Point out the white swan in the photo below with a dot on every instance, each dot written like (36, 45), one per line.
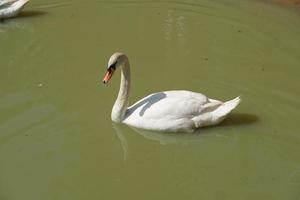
(170, 111)
(11, 8)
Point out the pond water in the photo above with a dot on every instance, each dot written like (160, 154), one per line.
(57, 140)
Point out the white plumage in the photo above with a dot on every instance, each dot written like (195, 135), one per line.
(11, 8)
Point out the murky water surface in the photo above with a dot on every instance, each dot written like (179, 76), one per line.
(57, 140)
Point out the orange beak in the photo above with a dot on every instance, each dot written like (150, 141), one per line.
(108, 75)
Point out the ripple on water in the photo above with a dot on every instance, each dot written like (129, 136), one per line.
(10, 25)
(295, 177)
(50, 4)
(187, 6)
(28, 114)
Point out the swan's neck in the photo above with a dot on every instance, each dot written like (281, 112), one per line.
(121, 104)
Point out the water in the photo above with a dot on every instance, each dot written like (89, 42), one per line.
(56, 137)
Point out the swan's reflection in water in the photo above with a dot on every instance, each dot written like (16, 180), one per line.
(4, 26)
(122, 139)
(235, 120)
(161, 137)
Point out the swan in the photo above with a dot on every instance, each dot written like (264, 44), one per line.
(11, 8)
(168, 111)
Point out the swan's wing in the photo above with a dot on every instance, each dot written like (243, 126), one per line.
(170, 104)
(6, 3)
(11, 8)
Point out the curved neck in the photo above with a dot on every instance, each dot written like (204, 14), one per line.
(121, 104)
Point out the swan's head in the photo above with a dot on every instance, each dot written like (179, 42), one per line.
(115, 61)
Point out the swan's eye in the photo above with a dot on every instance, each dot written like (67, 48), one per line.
(113, 66)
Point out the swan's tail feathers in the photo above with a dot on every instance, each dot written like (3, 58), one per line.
(226, 108)
(215, 112)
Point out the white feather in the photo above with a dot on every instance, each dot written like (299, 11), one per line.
(11, 8)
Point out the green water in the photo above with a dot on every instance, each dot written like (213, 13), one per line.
(57, 141)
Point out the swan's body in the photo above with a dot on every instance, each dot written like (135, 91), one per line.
(172, 111)
(11, 8)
